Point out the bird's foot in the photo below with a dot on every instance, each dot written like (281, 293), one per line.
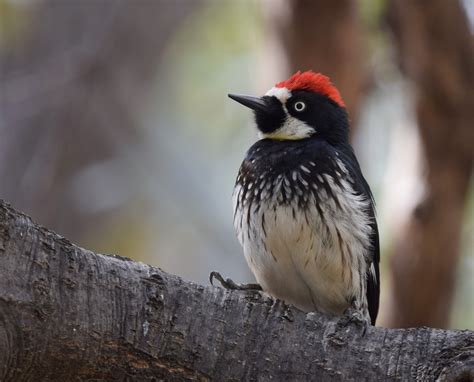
(229, 284)
(354, 315)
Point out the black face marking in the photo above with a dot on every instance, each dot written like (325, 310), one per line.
(325, 116)
(271, 119)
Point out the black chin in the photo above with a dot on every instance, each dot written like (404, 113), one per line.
(269, 113)
(272, 118)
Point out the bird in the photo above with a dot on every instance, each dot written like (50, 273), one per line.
(303, 211)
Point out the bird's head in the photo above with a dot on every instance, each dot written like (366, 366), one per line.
(307, 104)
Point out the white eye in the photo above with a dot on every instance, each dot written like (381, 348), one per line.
(300, 106)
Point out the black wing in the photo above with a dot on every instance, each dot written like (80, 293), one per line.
(373, 272)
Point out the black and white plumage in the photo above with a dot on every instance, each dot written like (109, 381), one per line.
(303, 212)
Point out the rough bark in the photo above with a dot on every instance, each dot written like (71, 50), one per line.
(69, 314)
(325, 36)
(436, 52)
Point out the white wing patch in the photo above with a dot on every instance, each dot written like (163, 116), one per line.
(373, 274)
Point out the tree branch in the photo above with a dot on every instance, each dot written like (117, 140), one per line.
(67, 313)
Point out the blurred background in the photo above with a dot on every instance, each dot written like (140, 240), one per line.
(116, 130)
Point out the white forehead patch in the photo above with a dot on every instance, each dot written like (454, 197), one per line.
(281, 93)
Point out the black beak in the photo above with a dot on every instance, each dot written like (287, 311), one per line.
(254, 103)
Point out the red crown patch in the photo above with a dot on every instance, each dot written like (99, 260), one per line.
(314, 82)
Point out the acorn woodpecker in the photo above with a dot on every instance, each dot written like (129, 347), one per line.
(303, 212)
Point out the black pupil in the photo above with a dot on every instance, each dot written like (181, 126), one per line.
(299, 106)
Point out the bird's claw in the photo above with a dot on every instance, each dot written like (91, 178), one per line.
(353, 315)
(229, 284)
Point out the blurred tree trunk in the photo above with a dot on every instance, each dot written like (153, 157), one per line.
(436, 53)
(324, 36)
(71, 93)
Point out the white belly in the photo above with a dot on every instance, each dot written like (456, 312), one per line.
(311, 262)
